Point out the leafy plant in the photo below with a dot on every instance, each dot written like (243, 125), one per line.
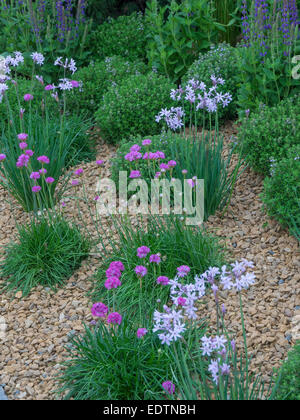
(130, 107)
(114, 364)
(281, 194)
(270, 42)
(124, 36)
(289, 379)
(220, 61)
(227, 13)
(198, 250)
(268, 133)
(97, 78)
(48, 251)
(176, 40)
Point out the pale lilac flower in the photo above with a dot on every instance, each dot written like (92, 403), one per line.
(38, 58)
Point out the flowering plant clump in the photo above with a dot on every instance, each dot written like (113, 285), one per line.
(34, 162)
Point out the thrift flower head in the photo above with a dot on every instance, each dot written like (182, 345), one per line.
(49, 180)
(99, 162)
(113, 272)
(36, 189)
(23, 145)
(155, 258)
(172, 163)
(114, 318)
(141, 271)
(169, 387)
(35, 175)
(43, 171)
(22, 136)
(183, 270)
(117, 264)
(74, 182)
(112, 283)
(43, 159)
(2, 157)
(22, 161)
(74, 83)
(141, 332)
(135, 148)
(99, 310)
(28, 97)
(181, 301)
(146, 142)
(49, 87)
(78, 172)
(143, 251)
(29, 152)
(162, 280)
(135, 174)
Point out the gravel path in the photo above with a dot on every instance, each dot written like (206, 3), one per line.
(35, 329)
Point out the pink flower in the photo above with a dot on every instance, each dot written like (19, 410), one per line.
(162, 280)
(29, 152)
(146, 142)
(143, 251)
(35, 175)
(22, 136)
(36, 189)
(141, 332)
(184, 171)
(28, 97)
(157, 175)
(181, 301)
(74, 182)
(99, 162)
(23, 145)
(96, 198)
(169, 387)
(161, 155)
(135, 174)
(118, 265)
(183, 270)
(164, 167)
(114, 318)
(191, 183)
(2, 157)
(113, 272)
(99, 310)
(49, 87)
(43, 159)
(155, 258)
(78, 172)
(141, 271)
(49, 180)
(43, 171)
(22, 161)
(135, 148)
(74, 83)
(112, 283)
(172, 163)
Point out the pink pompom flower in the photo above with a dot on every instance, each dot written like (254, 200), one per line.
(117, 264)
(135, 174)
(146, 142)
(22, 136)
(35, 175)
(169, 387)
(155, 258)
(143, 251)
(99, 310)
(23, 145)
(141, 332)
(99, 162)
(162, 280)
(50, 180)
(78, 172)
(141, 271)
(183, 270)
(36, 189)
(43, 159)
(112, 283)
(28, 97)
(113, 272)
(2, 157)
(29, 152)
(114, 318)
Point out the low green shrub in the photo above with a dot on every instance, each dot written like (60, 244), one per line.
(96, 80)
(281, 194)
(289, 379)
(268, 133)
(114, 364)
(124, 36)
(131, 107)
(47, 253)
(220, 61)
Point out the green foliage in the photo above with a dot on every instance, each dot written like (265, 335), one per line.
(227, 13)
(176, 40)
(202, 158)
(167, 236)
(269, 133)
(124, 36)
(113, 364)
(130, 108)
(265, 68)
(97, 78)
(220, 61)
(289, 378)
(282, 190)
(47, 253)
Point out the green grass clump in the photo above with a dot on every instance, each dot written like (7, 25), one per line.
(47, 253)
(289, 379)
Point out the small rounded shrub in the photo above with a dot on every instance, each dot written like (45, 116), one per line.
(97, 78)
(124, 36)
(221, 62)
(131, 107)
(269, 133)
(47, 253)
(289, 383)
(281, 194)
